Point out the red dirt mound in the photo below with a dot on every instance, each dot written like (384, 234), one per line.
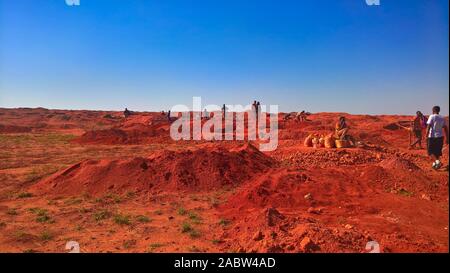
(201, 169)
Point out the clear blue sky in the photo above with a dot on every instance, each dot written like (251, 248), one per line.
(318, 55)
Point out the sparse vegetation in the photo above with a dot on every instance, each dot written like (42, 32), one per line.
(113, 197)
(41, 171)
(43, 219)
(181, 211)
(102, 215)
(142, 219)
(73, 201)
(42, 215)
(130, 194)
(25, 195)
(194, 217)
(46, 235)
(224, 222)
(154, 246)
(158, 212)
(11, 211)
(194, 249)
(194, 233)
(84, 210)
(20, 234)
(122, 219)
(186, 227)
(404, 192)
(129, 244)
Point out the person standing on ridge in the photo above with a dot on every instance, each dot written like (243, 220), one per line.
(258, 109)
(168, 116)
(224, 109)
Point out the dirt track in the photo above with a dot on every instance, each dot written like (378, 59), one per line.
(122, 185)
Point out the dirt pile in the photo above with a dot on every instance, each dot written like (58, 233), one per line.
(270, 230)
(320, 158)
(196, 170)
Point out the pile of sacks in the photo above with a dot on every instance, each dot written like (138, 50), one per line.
(325, 141)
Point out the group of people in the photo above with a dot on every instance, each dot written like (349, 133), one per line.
(256, 107)
(435, 128)
(299, 116)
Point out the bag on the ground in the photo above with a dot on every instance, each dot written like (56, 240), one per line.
(329, 142)
(308, 141)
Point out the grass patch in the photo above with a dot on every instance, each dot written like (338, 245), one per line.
(113, 198)
(39, 172)
(11, 212)
(193, 216)
(186, 227)
(154, 246)
(42, 215)
(404, 192)
(43, 219)
(25, 195)
(181, 211)
(84, 210)
(122, 219)
(224, 222)
(142, 219)
(158, 212)
(46, 235)
(195, 233)
(20, 234)
(102, 215)
(73, 201)
(130, 194)
(129, 244)
(194, 249)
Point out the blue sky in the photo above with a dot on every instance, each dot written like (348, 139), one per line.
(318, 55)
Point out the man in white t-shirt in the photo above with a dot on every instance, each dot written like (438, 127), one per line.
(436, 128)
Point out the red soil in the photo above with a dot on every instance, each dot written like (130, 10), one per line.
(295, 199)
